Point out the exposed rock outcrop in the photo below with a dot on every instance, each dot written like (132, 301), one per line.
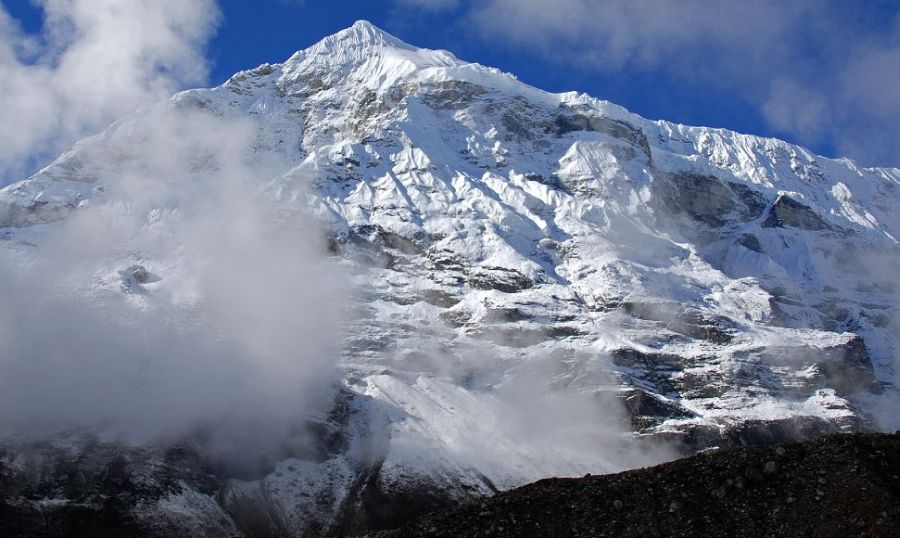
(788, 212)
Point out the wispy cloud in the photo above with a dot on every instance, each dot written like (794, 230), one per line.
(431, 5)
(92, 62)
(820, 71)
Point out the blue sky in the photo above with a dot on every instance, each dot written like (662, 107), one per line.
(822, 73)
(248, 38)
(251, 35)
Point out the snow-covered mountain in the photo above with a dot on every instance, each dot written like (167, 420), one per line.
(533, 274)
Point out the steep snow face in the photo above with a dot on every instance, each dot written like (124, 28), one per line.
(533, 270)
(363, 54)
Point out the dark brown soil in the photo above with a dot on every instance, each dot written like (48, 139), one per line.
(838, 486)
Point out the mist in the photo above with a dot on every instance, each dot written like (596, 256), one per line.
(525, 415)
(575, 426)
(142, 51)
(180, 301)
(878, 269)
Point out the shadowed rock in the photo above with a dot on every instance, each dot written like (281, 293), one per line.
(567, 123)
(452, 94)
(501, 279)
(710, 200)
(848, 368)
(647, 410)
(788, 212)
(784, 491)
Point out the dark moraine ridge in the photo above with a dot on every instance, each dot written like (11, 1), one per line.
(838, 486)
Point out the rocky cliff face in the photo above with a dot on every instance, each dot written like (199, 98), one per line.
(690, 285)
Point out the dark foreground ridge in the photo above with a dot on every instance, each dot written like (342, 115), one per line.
(837, 486)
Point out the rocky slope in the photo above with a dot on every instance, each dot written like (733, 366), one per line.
(536, 278)
(792, 490)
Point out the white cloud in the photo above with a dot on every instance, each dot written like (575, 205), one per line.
(94, 61)
(792, 108)
(240, 340)
(610, 34)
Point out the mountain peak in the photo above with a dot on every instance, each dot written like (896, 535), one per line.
(368, 51)
(364, 33)
(362, 36)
